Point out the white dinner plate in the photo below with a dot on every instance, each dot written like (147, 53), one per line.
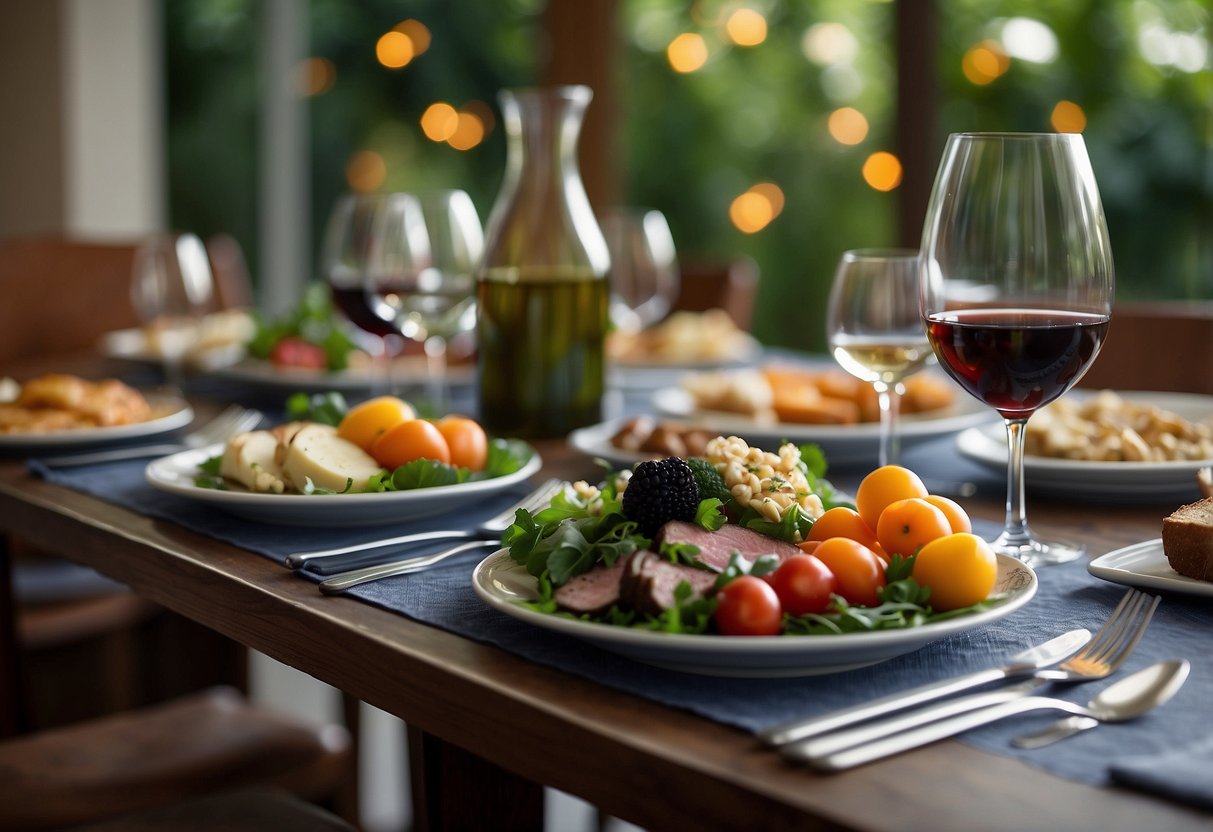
(848, 445)
(169, 414)
(255, 372)
(175, 474)
(1100, 481)
(505, 585)
(1145, 565)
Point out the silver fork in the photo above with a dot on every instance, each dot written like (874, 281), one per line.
(490, 529)
(234, 419)
(344, 580)
(1102, 655)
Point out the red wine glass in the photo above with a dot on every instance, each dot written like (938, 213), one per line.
(1016, 287)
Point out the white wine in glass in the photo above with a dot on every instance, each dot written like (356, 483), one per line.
(1017, 287)
(875, 330)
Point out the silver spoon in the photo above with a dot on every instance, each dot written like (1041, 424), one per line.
(1128, 699)
(1168, 683)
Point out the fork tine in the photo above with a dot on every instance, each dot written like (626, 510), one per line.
(1132, 634)
(1106, 633)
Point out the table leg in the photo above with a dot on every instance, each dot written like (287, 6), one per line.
(454, 789)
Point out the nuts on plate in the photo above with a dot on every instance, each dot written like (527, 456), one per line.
(1109, 428)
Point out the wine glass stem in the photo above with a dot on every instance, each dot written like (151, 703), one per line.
(1016, 531)
(888, 396)
(435, 372)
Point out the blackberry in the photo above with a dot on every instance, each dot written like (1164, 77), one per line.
(659, 492)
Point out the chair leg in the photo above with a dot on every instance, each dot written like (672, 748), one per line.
(13, 718)
(346, 802)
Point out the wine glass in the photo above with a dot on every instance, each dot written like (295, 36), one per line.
(444, 307)
(875, 330)
(644, 266)
(1017, 286)
(172, 288)
(344, 265)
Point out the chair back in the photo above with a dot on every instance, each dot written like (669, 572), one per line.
(1161, 346)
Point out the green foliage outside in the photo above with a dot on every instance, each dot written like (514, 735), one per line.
(692, 143)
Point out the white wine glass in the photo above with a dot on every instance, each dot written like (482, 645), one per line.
(1017, 287)
(446, 307)
(644, 266)
(171, 289)
(875, 330)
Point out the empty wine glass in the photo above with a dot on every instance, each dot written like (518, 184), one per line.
(1017, 286)
(172, 288)
(875, 330)
(644, 266)
(444, 307)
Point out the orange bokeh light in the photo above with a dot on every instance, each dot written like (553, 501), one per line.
(984, 62)
(746, 27)
(847, 126)
(365, 171)
(439, 121)
(687, 52)
(417, 33)
(1068, 117)
(394, 49)
(314, 76)
(882, 171)
(469, 132)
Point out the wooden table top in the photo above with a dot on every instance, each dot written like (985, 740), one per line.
(649, 764)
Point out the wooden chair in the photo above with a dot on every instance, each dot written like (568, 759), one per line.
(158, 756)
(61, 296)
(250, 810)
(1163, 346)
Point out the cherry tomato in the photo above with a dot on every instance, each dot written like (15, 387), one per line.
(803, 584)
(295, 352)
(960, 569)
(747, 606)
(858, 570)
(468, 443)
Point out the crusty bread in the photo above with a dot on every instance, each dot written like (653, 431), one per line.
(1187, 539)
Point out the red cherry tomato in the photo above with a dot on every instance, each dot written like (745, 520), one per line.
(295, 352)
(747, 606)
(858, 570)
(803, 585)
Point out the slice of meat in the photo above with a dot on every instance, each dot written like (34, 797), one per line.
(593, 592)
(649, 580)
(715, 548)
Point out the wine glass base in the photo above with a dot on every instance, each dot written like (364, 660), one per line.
(1036, 553)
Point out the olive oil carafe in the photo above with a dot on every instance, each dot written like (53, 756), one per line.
(542, 287)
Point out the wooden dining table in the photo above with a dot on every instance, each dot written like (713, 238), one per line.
(488, 729)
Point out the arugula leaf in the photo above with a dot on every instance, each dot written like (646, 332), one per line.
(709, 516)
(680, 553)
(327, 408)
(505, 456)
(427, 473)
(208, 475)
(793, 526)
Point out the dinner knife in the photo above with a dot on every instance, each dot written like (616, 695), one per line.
(295, 560)
(343, 581)
(1042, 655)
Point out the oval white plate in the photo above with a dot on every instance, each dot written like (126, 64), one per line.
(171, 413)
(1145, 565)
(1100, 481)
(257, 373)
(175, 474)
(504, 584)
(842, 444)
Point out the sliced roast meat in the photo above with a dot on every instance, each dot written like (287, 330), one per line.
(649, 580)
(593, 592)
(715, 548)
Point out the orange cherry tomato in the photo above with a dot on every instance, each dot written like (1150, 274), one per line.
(885, 485)
(960, 569)
(857, 569)
(468, 443)
(367, 421)
(841, 521)
(958, 518)
(905, 525)
(410, 440)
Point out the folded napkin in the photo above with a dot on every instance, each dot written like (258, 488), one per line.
(1184, 775)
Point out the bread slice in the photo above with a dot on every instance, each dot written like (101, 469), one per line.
(1187, 540)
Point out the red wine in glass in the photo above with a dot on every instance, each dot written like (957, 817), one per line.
(1016, 360)
(358, 305)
